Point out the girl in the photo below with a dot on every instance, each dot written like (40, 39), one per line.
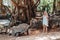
(45, 21)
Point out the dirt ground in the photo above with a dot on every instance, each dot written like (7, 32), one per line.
(34, 35)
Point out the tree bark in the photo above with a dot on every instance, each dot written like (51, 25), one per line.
(54, 7)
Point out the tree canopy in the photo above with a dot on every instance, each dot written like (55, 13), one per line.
(48, 3)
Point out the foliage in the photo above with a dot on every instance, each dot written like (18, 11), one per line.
(48, 4)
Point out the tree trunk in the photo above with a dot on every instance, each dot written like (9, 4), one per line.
(54, 6)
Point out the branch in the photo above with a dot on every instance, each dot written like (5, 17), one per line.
(36, 4)
(14, 3)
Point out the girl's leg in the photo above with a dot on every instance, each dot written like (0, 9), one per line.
(46, 30)
(43, 28)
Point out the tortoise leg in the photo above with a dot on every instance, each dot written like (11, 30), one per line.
(27, 32)
(17, 34)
